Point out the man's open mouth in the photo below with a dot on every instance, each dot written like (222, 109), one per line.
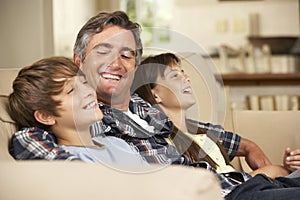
(111, 76)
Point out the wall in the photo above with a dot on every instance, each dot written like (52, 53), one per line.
(33, 29)
(211, 23)
(68, 18)
(26, 31)
(27, 26)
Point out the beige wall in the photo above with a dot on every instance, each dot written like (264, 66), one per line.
(27, 26)
(26, 31)
(68, 18)
(211, 23)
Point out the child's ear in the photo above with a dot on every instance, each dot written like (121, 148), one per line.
(44, 118)
(156, 96)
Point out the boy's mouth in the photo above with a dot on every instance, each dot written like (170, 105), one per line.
(187, 90)
(91, 105)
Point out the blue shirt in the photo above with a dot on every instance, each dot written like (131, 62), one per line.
(112, 151)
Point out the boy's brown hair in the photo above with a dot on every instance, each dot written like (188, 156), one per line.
(34, 87)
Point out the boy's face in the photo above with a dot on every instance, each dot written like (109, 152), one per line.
(110, 63)
(79, 106)
(174, 89)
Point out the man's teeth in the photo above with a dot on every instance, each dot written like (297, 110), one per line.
(110, 76)
(90, 105)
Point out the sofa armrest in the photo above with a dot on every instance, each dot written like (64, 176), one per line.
(7, 128)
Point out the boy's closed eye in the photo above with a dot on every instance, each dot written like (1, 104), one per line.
(69, 91)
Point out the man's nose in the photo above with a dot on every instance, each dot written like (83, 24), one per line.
(116, 62)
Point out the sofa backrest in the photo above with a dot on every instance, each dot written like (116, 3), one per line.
(7, 77)
(7, 128)
(273, 131)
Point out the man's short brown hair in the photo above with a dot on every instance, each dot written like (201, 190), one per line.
(96, 25)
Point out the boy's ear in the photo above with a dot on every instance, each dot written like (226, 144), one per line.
(77, 60)
(156, 96)
(44, 118)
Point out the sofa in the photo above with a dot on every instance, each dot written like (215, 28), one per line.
(271, 130)
(74, 180)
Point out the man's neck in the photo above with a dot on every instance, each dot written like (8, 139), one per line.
(123, 106)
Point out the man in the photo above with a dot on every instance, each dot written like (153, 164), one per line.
(108, 49)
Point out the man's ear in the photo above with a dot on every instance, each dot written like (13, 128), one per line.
(77, 60)
(44, 118)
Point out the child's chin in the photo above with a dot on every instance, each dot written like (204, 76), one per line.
(99, 115)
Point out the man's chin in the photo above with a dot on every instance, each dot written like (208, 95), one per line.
(113, 89)
(109, 93)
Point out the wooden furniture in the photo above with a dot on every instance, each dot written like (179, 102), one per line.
(243, 86)
(244, 79)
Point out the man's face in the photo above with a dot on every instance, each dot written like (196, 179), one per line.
(110, 62)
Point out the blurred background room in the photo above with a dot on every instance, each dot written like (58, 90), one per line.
(252, 45)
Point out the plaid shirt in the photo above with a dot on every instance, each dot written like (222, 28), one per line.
(152, 146)
(230, 141)
(35, 143)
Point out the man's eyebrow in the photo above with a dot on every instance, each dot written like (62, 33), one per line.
(107, 45)
(127, 49)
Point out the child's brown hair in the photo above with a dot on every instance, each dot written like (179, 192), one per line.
(34, 87)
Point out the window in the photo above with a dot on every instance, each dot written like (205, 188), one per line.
(153, 15)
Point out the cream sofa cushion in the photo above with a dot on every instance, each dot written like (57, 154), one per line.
(7, 128)
(273, 131)
(64, 180)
